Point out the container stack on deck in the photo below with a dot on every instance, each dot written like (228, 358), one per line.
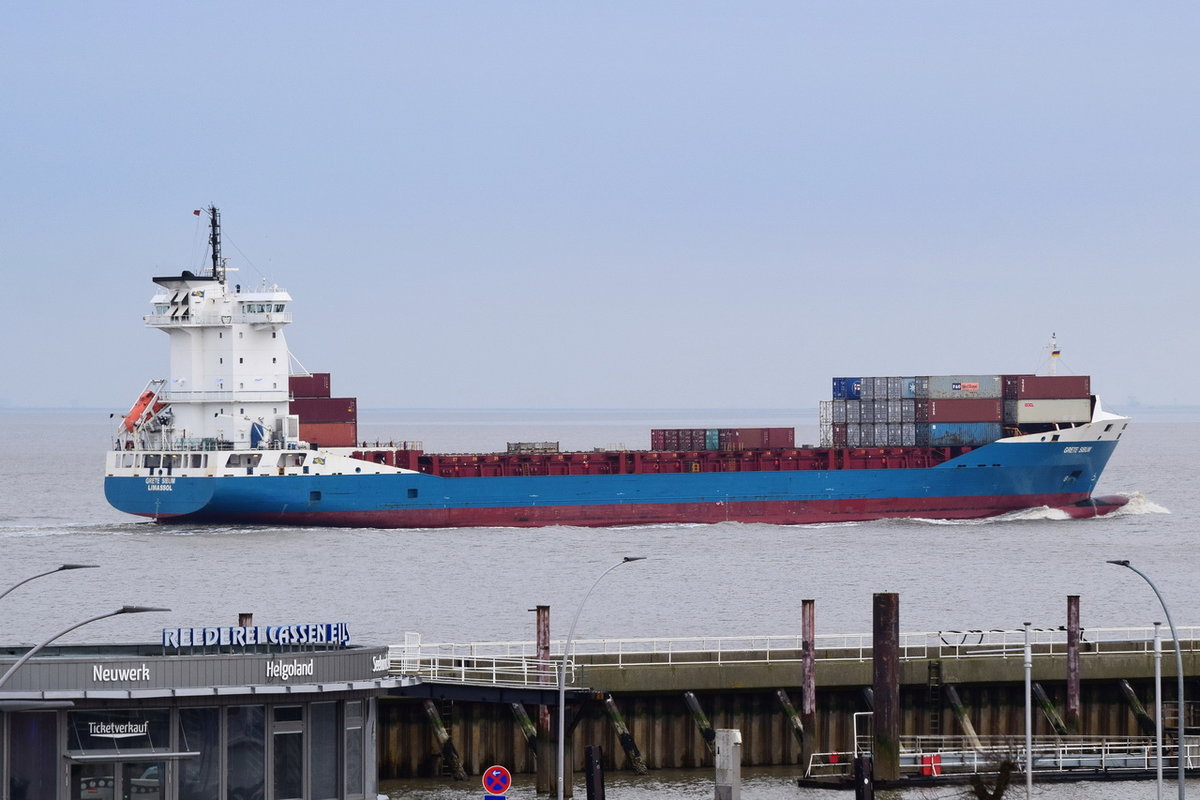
(699, 439)
(325, 421)
(949, 410)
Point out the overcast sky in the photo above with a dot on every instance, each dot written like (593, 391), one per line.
(609, 205)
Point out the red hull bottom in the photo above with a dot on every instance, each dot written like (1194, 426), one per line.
(779, 512)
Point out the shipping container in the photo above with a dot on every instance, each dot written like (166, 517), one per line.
(854, 410)
(881, 388)
(854, 434)
(908, 388)
(965, 386)
(950, 434)
(329, 434)
(1047, 387)
(908, 434)
(532, 448)
(975, 410)
(839, 435)
(314, 385)
(325, 409)
(837, 410)
(908, 410)
(1032, 411)
(895, 411)
(847, 388)
(867, 389)
(712, 439)
(881, 434)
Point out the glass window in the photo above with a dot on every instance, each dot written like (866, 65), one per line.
(246, 751)
(323, 768)
(289, 765)
(33, 747)
(118, 729)
(354, 747)
(200, 731)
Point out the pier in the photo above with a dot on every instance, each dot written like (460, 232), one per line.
(961, 701)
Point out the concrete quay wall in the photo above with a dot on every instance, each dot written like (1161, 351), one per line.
(742, 694)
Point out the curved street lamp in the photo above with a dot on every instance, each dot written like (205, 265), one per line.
(1178, 668)
(48, 572)
(562, 671)
(122, 610)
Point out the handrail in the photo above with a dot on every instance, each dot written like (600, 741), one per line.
(517, 655)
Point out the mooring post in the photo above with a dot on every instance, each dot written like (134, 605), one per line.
(808, 677)
(593, 758)
(864, 778)
(1147, 723)
(449, 751)
(706, 729)
(885, 650)
(545, 780)
(729, 764)
(1073, 631)
(623, 735)
(960, 714)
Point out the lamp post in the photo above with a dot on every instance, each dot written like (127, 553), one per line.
(122, 610)
(1178, 669)
(1028, 663)
(48, 572)
(562, 672)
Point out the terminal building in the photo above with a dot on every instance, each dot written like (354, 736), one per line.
(234, 713)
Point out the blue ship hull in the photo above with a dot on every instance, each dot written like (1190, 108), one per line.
(994, 479)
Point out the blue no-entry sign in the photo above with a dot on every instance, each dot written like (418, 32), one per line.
(496, 780)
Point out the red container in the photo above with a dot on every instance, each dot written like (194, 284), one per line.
(658, 439)
(314, 385)
(966, 410)
(325, 409)
(1047, 387)
(330, 434)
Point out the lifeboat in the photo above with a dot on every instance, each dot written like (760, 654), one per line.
(139, 408)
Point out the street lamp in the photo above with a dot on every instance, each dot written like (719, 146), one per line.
(122, 610)
(562, 671)
(1178, 669)
(49, 572)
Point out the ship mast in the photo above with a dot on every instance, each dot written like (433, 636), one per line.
(1054, 354)
(214, 241)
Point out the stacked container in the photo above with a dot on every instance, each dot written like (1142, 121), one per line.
(325, 421)
(696, 439)
(947, 410)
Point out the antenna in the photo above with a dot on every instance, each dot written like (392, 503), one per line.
(214, 240)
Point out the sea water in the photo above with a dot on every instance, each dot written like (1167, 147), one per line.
(478, 584)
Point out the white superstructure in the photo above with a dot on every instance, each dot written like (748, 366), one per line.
(228, 377)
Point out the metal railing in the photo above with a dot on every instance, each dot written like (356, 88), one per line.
(933, 756)
(268, 317)
(441, 657)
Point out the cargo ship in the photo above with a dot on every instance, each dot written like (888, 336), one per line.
(233, 436)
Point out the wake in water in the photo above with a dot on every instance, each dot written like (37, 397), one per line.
(1136, 505)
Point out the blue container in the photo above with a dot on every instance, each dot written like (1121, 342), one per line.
(949, 434)
(847, 388)
(712, 438)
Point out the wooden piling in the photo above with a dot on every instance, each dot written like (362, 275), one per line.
(593, 757)
(706, 728)
(808, 672)
(1047, 707)
(791, 715)
(886, 657)
(624, 737)
(1144, 720)
(526, 725)
(546, 780)
(1073, 630)
(449, 751)
(960, 713)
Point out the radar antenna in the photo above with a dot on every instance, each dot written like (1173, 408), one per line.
(214, 241)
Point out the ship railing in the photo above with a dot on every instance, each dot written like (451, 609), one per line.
(935, 756)
(269, 317)
(788, 648)
(226, 395)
